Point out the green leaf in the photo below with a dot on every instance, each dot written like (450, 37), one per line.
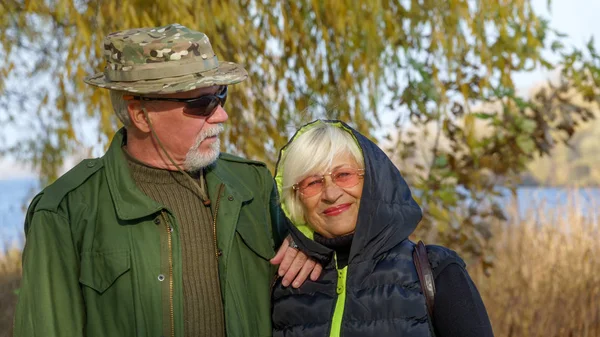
(557, 46)
(528, 125)
(560, 34)
(441, 161)
(438, 213)
(526, 144)
(521, 103)
(448, 196)
(483, 115)
(590, 44)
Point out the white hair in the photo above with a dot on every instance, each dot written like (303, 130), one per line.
(120, 106)
(313, 151)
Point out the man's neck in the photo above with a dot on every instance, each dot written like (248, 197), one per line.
(146, 150)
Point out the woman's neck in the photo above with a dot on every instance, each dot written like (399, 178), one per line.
(340, 244)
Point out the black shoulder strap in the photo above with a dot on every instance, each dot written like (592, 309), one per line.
(425, 275)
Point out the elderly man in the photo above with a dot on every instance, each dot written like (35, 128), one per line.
(163, 235)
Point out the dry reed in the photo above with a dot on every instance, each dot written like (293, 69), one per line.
(545, 281)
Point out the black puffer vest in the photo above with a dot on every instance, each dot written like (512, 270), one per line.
(378, 294)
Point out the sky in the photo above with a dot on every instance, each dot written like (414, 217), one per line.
(577, 18)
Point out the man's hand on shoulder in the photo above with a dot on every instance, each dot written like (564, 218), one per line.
(294, 265)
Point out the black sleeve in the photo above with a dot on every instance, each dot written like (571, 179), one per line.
(279, 229)
(459, 310)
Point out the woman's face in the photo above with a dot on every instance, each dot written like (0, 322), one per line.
(333, 210)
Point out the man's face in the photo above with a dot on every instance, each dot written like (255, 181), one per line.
(189, 139)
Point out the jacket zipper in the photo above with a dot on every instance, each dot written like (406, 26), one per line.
(170, 245)
(217, 254)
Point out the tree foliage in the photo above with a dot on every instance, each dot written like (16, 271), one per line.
(427, 61)
(574, 164)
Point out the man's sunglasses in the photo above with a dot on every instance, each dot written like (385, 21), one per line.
(203, 106)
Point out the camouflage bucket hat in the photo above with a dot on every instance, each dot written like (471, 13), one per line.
(162, 60)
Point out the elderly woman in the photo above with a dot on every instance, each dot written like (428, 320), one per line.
(351, 209)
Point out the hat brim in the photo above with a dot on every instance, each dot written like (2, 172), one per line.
(226, 73)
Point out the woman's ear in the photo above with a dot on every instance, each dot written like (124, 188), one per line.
(137, 116)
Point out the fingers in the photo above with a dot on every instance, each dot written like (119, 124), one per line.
(316, 272)
(287, 262)
(294, 268)
(294, 265)
(278, 258)
(307, 268)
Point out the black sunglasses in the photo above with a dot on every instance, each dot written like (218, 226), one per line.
(203, 106)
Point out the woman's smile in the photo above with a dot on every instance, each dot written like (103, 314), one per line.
(337, 210)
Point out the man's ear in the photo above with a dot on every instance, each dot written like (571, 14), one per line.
(137, 116)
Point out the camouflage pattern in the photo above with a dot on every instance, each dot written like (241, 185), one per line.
(162, 60)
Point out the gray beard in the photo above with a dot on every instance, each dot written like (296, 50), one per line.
(195, 160)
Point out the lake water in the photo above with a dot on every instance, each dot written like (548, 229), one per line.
(550, 202)
(15, 195)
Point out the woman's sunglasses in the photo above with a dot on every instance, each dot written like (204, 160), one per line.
(345, 177)
(203, 106)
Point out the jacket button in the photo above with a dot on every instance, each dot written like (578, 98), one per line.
(230, 198)
(161, 277)
(91, 164)
(157, 221)
(219, 252)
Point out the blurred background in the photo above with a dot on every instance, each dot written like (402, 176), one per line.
(489, 108)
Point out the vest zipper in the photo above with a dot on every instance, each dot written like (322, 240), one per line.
(170, 245)
(217, 253)
(338, 313)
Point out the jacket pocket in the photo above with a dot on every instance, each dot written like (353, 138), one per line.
(100, 270)
(258, 241)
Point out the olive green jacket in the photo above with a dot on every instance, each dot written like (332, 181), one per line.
(103, 259)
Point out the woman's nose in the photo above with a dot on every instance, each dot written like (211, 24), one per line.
(331, 191)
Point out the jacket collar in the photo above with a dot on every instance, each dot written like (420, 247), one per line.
(219, 173)
(130, 203)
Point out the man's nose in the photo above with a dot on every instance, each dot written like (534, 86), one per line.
(219, 116)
